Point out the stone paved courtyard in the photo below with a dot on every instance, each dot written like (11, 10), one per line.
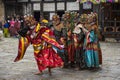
(25, 69)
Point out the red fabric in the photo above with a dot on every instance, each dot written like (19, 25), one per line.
(45, 56)
(17, 26)
(23, 42)
(70, 50)
(100, 56)
(48, 58)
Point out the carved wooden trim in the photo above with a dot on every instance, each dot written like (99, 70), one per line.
(109, 29)
(117, 29)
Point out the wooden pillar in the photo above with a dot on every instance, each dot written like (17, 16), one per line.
(41, 7)
(65, 1)
(55, 6)
(79, 8)
(32, 8)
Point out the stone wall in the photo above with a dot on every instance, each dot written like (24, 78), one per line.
(1, 10)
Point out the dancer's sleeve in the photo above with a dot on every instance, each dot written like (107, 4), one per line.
(50, 40)
(22, 46)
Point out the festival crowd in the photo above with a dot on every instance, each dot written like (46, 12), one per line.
(71, 41)
(12, 25)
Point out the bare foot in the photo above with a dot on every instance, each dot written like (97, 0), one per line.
(77, 68)
(39, 73)
(61, 66)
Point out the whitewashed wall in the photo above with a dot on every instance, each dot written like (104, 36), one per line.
(51, 14)
(60, 6)
(72, 6)
(49, 7)
(36, 6)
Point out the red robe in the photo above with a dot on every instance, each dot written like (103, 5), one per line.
(44, 54)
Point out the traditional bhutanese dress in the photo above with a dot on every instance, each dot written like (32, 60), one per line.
(12, 28)
(92, 49)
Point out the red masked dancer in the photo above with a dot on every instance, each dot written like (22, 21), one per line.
(41, 39)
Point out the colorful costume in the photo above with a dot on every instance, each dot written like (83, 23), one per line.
(91, 49)
(42, 43)
(60, 35)
(93, 55)
(69, 22)
(46, 57)
(12, 28)
(78, 44)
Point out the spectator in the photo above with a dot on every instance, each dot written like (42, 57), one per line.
(12, 28)
(5, 29)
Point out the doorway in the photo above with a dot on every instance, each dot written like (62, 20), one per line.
(60, 13)
(37, 15)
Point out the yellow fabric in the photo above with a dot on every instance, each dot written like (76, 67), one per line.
(37, 27)
(36, 48)
(45, 21)
(24, 41)
(82, 1)
(6, 32)
(47, 31)
(48, 38)
(103, 0)
(23, 47)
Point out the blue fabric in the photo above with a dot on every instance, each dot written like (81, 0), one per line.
(6, 25)
(91, 55)
(91, 58)
(92, 36)
(58, 50)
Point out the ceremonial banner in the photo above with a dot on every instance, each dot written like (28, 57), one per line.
(103, 1)
(97, 1)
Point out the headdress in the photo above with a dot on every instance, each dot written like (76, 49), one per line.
(67, 15)
(55, 17)
(30, 20)
(90, 20)
(45, 21)
(84, 18)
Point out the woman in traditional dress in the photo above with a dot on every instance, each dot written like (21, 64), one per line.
(41, 39)
(17, 27)
(6, 29)
(12, 28)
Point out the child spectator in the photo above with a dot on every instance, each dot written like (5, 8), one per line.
(5, 29)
